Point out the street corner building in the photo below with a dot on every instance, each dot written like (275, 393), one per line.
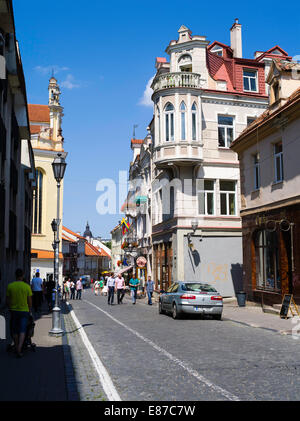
(47, 141)
(269, 151)
(84, 255)
(17, 169)
(185, 212)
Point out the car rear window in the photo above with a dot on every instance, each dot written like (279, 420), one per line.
(197, 287)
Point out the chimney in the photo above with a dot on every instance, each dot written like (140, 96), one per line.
(236, 39)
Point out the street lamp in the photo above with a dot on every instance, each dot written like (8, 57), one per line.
(59, 168)
(194, 225)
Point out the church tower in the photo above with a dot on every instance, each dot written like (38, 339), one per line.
(47, 141)
(56, 111)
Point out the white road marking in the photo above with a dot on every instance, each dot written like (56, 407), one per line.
(104, 377)
(175, 360)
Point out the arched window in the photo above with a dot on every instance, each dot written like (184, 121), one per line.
(185, 63)
(267, 258)
(169, 121)
(183, 120)
(194, 122)
(38, 204)
(158, 122)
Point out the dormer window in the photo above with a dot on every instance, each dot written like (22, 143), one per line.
(217, 50)
(276, 91)
(185, 63)
(250, 80)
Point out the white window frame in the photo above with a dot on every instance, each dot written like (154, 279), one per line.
(206, 192)
(249, 78)
(183, 115)
(194, 114)
(225, 127)
(256, 172)
(158, 121)
(278, 158)
(252, 118)
(217, 50)
(227, 193)
(169, 127)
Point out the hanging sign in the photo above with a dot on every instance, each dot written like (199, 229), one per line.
(141, 262)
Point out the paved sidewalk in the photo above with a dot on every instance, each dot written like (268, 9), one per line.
(251, 315)
(40, 375)
(255, 317)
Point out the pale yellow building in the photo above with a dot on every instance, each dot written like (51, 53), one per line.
(47, 141)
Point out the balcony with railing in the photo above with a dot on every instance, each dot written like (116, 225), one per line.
(176, 80)
(181, 153)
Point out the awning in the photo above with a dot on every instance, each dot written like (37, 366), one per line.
(123, 270)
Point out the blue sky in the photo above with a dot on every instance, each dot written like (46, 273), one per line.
(103, 54)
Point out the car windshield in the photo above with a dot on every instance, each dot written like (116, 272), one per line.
(197, 287)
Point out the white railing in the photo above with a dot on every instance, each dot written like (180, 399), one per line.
(176, 80)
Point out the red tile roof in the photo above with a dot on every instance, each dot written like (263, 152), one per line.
(137, 141)
(161, 60)
(45, 254)
(91, 250)
(73, 233)
(39, 113)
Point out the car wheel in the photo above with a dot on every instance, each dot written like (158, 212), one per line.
(175, 313)
(160, 309)
(217, 317)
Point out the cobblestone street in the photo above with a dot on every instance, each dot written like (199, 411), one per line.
(151, 357)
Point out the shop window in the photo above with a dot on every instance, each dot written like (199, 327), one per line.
(268, 276)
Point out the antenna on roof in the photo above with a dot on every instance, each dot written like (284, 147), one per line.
(134, 127)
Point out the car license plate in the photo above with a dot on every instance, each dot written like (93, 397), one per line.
(199, 309)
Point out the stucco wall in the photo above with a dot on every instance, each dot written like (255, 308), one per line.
(217, 261)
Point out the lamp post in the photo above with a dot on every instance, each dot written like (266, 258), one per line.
(59, 167)
(189, 236)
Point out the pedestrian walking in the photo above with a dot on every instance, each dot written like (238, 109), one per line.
(72, 289)
(37, 290)
(96, 287)
(111, 289)
(68, 283)
(64, 290)
(134, 283)
(50, 285)
(78, 289)
(149, 290)
(19, 302)
(101, 285)
(120, 288)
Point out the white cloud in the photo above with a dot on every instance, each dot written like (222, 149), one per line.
(146, 99)
(69, 83)
(55, 69)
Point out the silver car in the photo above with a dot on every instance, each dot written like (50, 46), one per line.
(192, 298)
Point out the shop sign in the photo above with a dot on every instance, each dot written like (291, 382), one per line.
(141, 262)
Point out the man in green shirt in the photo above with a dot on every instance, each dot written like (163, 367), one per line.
(134, 283)
(19, 302)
